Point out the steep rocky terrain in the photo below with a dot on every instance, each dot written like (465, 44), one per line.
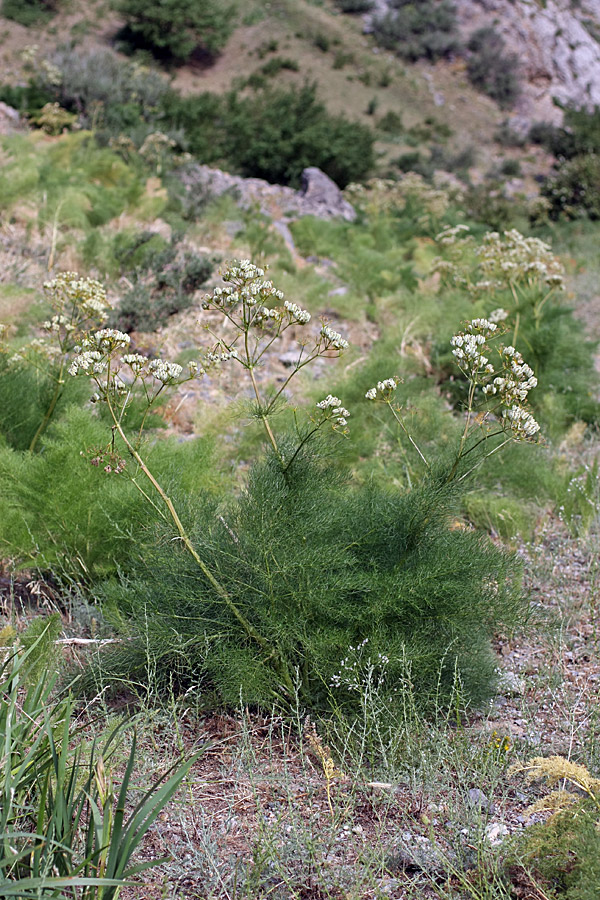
(557, 43)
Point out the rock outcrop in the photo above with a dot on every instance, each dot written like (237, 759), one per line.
(557, 43)
(319, 195)
(10, 120)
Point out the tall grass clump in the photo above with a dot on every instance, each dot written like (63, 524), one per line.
(66, 829)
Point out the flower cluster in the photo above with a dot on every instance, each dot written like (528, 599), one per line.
(468, 347)
(332, 407)
(68, 293)
(331, 339)
(521, 423)
(296, 314)
(166, 372)
(380, 195)
(511, 257)
(245, 285)
(501, 261)
(384, 389)
(90, 362)
(509, 385)
(106, 340)
(516, 382)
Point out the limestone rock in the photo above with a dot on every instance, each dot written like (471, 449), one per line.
(320, 196)
(323, 197)
(557, 43)
(10, 120)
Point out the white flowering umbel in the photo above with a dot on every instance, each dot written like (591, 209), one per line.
(76, 305)
(524, 271)
(497, 394)
(498, 390)
(384, 392)
(332, 411)
(258, 316)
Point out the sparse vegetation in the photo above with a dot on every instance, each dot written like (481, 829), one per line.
(423, 30)
(491, 70)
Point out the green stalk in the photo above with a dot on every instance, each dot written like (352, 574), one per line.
(58, 389)
(248, 627)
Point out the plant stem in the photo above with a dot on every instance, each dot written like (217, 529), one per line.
(250, 630)
(58, 389)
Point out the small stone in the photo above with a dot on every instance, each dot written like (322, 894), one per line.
(477, 800)
(339, 291)
(496, 833)
(511, 684)
(289, 358)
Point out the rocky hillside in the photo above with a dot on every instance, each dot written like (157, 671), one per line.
(557, 43)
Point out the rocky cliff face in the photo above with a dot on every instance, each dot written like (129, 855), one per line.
(557, 42)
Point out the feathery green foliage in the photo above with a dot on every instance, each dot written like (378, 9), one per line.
(60, 512)
(290, 555)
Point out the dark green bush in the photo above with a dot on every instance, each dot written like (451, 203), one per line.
(202, 121)
(511, 168)
(418, 29)
(27, 99)
(391, 123)
(29, 12)
(314, 586)
(354, 6)
(490, 69)
(275, 134)
(579, 134)
(163, 280)
(176, 28)
(574, 188)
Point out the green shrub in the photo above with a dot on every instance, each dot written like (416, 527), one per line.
(279, 64)
(290, 555)
(425, 29)
(354, 6)
(201, 118)
(29, 12)
(59, 512)
(511, 168)
(579, 134)
(27, 99)
(391, 123)
(574, 188)
(176, 28)
(276, 133)
(109, 92)
(490, 69)
(163, 280)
